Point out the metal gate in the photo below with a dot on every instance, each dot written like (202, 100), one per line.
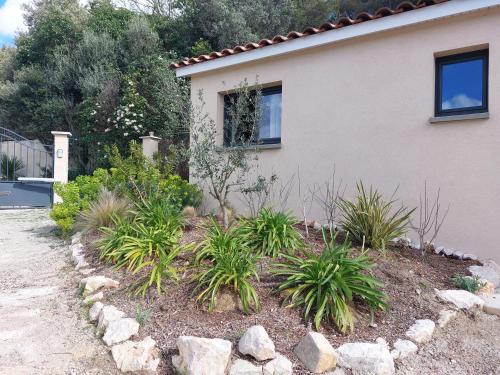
(26, 171)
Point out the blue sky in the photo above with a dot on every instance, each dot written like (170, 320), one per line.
(10, 20)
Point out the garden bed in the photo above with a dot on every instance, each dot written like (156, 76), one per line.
(409, 280)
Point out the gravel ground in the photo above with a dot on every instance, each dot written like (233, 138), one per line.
(42, 327)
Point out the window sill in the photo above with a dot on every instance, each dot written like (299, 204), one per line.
(269, 146)
(470, 116)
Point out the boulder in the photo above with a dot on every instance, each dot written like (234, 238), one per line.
(242, 367)
(202, 356)
(80, 262)
(458, 254)
(77, 237)
(94, 283)
(403, 348)
(468, 256)
(439, 249)
(93, 298)
(448, 252)
(95, 311)
(316, 353)
(488, 272)
(462, 299)
(445, 316)
(492, 305)
(257, 343)
(278, 366)
(141, 356)
(76, 249)
(120, 330)
(366, 358)
(107, 315)
(421, 331)
(317, 226)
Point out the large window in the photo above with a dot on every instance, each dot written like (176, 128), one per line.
(244, 129)
(462, 84)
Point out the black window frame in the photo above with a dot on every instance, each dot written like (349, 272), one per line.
(458, 58)
(258, 141)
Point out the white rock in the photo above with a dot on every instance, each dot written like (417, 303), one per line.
(458, 254)
(76, 249)
(278, 366)
(107, 315)
(242, 367)
(492, 305)
(94, 283)
(120, 330)
(403, 348)
(93, 298)
(77, 237)
(95, 310)
(257, 343)
(316, 353)
(487, 272)
(317, 226)
(202, 356)
(381, 341)
(460, 298)
(421, 331)
(366, 358)
(439, 250)
(137, 356)
(468, 256)
(445, 316)
(448, 252)
(80, 262)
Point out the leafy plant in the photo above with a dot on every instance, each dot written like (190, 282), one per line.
(142, 315)
(9, 166)
(325, 285)
(371, 220)
(101, 211)
(272, 232)
(219, 240)
(469, 283)
(233, 269)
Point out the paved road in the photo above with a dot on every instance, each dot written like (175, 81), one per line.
(42, 326)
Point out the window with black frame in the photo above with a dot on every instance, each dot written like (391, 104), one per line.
(462, 84)
(243, 130)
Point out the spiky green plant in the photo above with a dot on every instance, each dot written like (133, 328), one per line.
(233, 269)
(9, 166)
(271, 233)
(371, 220)
(469, 283)
(325, 284)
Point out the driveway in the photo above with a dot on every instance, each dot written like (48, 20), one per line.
(42, 326)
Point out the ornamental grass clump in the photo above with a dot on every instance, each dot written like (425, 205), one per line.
(271, 233)
(469, 283)
(146, 243)
(225, 261)
(325, 285)
(371, 220)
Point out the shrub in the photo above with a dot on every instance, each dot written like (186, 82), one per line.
(469, 283)
(9, 166)
(219, 240)
(371, 220)
(233, 269)
(181, 192)
(101, 211)
(325, 284)
(272, 232)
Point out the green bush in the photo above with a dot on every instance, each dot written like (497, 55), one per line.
(76, 196)
(469, 283)
(232, 266)
(181, 192)
(271, 232)
(372, 220)
(9, 166)
(325, 284)
(219, 240)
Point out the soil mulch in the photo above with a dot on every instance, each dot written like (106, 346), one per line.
(409, 280)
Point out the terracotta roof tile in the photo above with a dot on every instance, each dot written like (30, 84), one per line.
(405, 6)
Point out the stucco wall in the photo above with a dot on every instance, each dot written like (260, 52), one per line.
(364, 105)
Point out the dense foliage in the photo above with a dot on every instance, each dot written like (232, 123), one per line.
(371, 220)
(272, 233)
(325, 284)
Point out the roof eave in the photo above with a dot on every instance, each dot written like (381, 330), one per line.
(425, 14)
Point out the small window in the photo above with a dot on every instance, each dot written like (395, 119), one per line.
(268, 131)
(462, 84)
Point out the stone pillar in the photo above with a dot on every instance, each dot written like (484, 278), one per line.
(150, 144)
(61, 159)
